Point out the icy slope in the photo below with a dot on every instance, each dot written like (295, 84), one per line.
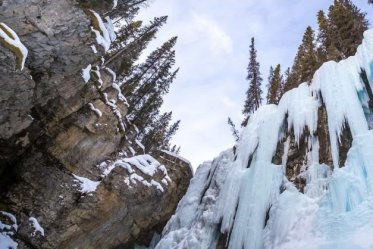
(257, 203)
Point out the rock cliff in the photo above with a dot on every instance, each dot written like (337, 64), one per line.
(67, 179)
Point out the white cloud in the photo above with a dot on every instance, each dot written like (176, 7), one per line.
(206, 29)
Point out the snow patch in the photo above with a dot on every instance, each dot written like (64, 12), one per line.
(12, 41)
(36, 226)
(86, 185)
(86, 73)
(95, 110)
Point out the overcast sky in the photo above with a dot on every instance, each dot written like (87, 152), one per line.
(212, 52)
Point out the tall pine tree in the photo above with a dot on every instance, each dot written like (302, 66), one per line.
(254, 92)
(274, 85)
(346, 25)
(305, 62)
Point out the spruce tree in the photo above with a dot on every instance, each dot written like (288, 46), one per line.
(346, 27)
(270, 76)
(155, 137)
(305, 62)
(274, 86)
(235, 132)
(131, 41)
(254, 92)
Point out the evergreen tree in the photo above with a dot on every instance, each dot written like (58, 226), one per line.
(270, 76)
(305, 62)
(274, 86)
(346, 27)
(235, 132)
(155, 137)
(254, 92)
(323, 37)
(284, 82)
(131, 41)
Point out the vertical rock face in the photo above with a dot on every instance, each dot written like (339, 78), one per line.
(64, 176)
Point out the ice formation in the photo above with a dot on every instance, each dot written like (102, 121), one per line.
(248, 199)
(12, 41)
(104, 31)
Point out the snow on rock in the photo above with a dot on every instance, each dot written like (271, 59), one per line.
(110, 28)
(7, 242)
(11, 40)
(104, 31)
(36, 226)
(115, 4)
(86, 73)
(113, 106)
(179, 157)
(94, 49)
(146, 165)
(95, 110)
(7, 231)
(86, 185)
(258, 207)
(140, 144)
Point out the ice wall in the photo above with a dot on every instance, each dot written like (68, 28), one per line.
(258, 207)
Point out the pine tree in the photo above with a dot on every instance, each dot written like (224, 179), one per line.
(235, 132)
(270, 76)
(156, 67)
(346, 27)
(154, 137)
(370, 1)
(284, 82)
(274, 86)
(131, 41)
(305, 62)
(323, 37)
(254, 92)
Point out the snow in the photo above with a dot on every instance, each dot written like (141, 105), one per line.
(8, 230)
(110, 28)
(112, 73)
(94, 49)
(255, 204)
(179, 157)
(140, 144)
(115, 4)
(112, 104)
(7, 242)
(36, 226)
(141, 169)
(86, 73)
(192, 225)
(105, 35)
(10, 37)
(95, 110)
(86, 185)
(133, 152)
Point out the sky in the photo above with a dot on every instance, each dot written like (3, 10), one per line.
(212, 53)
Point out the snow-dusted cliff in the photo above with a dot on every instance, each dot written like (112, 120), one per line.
(277, 188)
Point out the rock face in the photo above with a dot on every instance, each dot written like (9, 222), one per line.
(56, 129)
